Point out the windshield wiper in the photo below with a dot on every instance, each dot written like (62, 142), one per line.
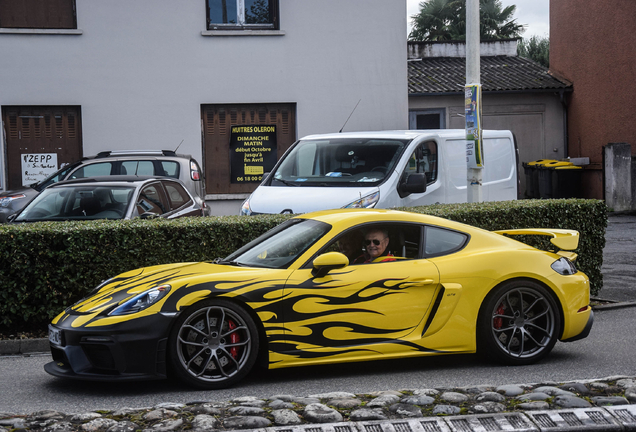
(223, 262)
(287, 182)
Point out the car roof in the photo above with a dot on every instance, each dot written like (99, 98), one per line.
(359, 216)
(405, 134)
(113, 180)
(135, 154)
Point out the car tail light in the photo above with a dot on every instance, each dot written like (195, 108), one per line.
(195, 174)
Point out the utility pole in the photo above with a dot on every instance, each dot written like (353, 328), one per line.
(474, 145)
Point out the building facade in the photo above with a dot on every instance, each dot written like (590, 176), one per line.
(593, 45)
(203, 76)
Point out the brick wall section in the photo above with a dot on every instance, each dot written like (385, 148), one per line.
(593, 45)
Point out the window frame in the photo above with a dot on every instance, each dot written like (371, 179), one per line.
(434, 161)
(390, 226)
(426, 111)
(451, 251)
(241, 24)
(31, 20)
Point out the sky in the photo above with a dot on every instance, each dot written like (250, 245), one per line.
(533, 13)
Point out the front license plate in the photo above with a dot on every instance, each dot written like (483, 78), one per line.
(55, 336)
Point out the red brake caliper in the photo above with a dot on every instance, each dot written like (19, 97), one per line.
(498, 322)
(234, 338)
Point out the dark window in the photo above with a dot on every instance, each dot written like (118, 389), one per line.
(38, 14)
(424, 160)
(151, 200)
(177, 196)
(242, 14)
(93, 170)
(403, 242)
(434, 118)
(440, 241)
(138, 168)
(171, 169)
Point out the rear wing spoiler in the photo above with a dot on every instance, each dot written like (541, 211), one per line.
(564, 239)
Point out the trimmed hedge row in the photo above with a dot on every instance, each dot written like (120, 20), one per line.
(44, 267)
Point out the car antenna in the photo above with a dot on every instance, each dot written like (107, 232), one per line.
(345, 123)
(175, 150)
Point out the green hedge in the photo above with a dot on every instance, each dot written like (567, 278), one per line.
(44, 267)
(588, 217)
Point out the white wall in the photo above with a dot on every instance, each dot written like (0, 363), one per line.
(141, 69)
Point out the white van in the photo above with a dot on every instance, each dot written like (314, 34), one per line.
(383, 170)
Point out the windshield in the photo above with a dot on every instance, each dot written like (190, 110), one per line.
(339, 162)
(57, 176)
(78, 203)
(279, 247)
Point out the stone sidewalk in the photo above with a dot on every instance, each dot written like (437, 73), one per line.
(599, 405)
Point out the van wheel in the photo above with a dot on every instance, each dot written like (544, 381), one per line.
(519, 323)
(213, 344)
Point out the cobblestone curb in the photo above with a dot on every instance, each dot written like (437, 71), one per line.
(608, 404)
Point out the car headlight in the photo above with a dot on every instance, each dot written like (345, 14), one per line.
(245, 208)
(142, 300)
(368, 201)
(6, 201)
(564, 266)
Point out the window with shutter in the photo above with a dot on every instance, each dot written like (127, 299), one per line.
(38, 14)
(218, 120)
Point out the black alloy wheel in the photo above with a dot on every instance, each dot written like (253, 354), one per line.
(519, 323)
(213, 344)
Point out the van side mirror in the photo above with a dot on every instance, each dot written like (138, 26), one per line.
(324, 263)
(412, 183)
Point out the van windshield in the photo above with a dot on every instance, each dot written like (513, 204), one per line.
(339, 162)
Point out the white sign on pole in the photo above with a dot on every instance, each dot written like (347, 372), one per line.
(37, 166)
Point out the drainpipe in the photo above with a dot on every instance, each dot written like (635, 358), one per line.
(565, 124)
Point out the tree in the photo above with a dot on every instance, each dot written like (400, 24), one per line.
(446, 20)
(536, 49)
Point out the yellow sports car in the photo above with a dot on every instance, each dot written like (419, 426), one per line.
(328, 287)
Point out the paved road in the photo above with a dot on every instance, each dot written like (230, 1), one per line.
(608, 351)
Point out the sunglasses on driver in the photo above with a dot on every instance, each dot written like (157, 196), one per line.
(374, 241)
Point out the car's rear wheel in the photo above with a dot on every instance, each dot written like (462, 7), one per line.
(213, 344)
(519, 323)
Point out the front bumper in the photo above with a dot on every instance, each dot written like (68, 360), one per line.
(132, 350)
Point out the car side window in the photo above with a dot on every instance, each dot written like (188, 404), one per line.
(137, 168)
(93, 170)
(441, 241)
(151, 200)
(177, 196)
(374, 243)
(424, 161)
(170, 169)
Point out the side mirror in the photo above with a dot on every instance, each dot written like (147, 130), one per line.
(327, 262)
(412, 183)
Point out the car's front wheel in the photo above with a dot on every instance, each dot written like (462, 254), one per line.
(519, 323)
(213, 344)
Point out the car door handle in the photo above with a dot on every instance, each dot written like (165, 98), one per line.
(416, 283)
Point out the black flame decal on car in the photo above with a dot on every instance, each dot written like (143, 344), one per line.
(281, 313)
